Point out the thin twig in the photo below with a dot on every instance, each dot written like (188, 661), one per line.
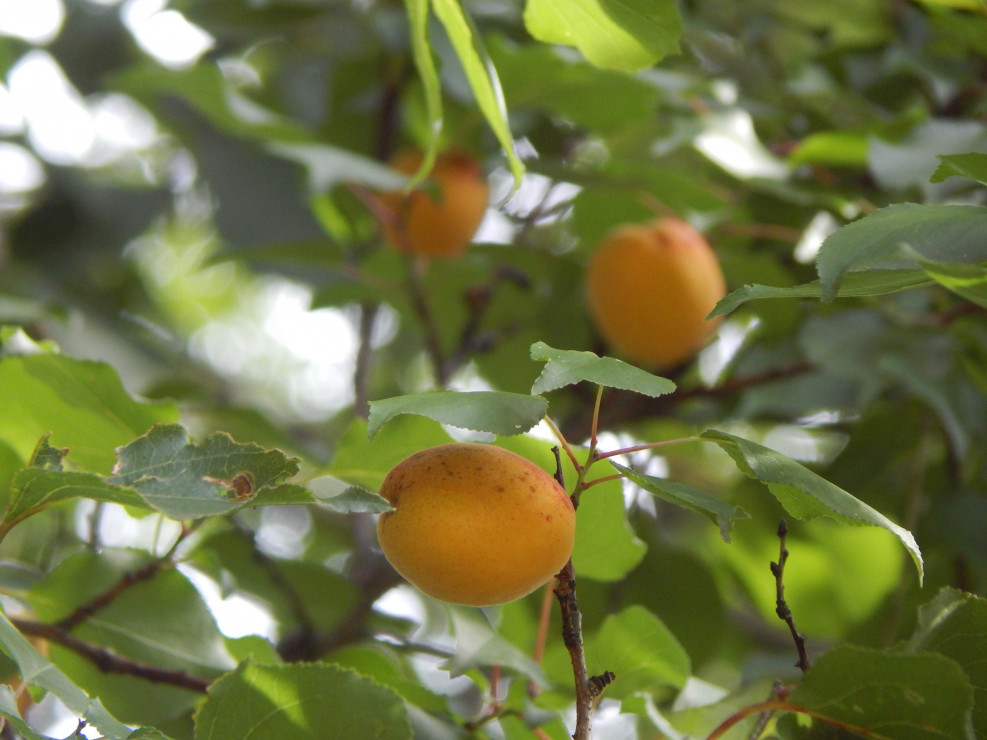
(108, 661)
(782, 609)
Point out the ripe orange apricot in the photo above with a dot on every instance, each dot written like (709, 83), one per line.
(475, 524)
(650, 288)
(440, 218)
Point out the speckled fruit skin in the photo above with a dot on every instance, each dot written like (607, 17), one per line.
(437, 224)
(650, 288)
(475, 524)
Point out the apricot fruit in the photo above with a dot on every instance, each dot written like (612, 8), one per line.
(475, 524)
(439, 218)
(650, 287)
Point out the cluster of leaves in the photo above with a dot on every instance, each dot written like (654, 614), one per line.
(857, 124)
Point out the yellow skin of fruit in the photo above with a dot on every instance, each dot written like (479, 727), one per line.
(475, 524)
(650, 288)
(438, 220)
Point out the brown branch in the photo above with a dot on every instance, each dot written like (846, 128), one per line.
(106, 598)
(782, 609)
(108, 661)
(587, 689)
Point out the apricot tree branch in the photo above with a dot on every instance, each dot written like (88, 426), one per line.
(587, 689)
(775, 705)
(108, 661)
(782, 609)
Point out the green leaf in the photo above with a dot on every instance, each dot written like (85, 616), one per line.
(421, 52)
(567, 367)
(949, 233)
(973, 165)
(364, 462)
(37, 670)
(82, 404)
(955, 625)
(720, 513)
(606, 547)
(966, 280)
(833, 148)
(336, 495)
(311, 701)
(626, 35)
(482, 76)
(904, 697)
(34, 489)
(479, 645)
(853, 285)
(805, 494)
(481, 411)
(537, 76)
(642, 653)
(185, 480)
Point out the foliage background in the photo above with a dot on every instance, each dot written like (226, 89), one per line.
(188, 242)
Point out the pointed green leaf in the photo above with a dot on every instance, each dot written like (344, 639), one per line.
(496, 412)
(186, 480)
(479, 645)
(949, 233)
(607, 549)
(338, 496)
(35, 489)
(955, 625)
(626, 35)
(421, 52)
(566, 367)
(967, 280)
(973, 165)
(482, 76)
(853, 285)
(904, 697)
(310, 701)
(805, 494)
(641, 652)
(82, 404)
(720, 513)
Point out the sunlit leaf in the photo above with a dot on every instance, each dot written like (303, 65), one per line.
(421, 51)
(566, 367)
(82, 404)
(972, 166)
(626, 35)
(481, 411)
(310, 701)
(905, 697)
(805, 494)
(834, 148)
(482, 76)
(967, 280)
(607, 549)
(720, 513)
(641, 652)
